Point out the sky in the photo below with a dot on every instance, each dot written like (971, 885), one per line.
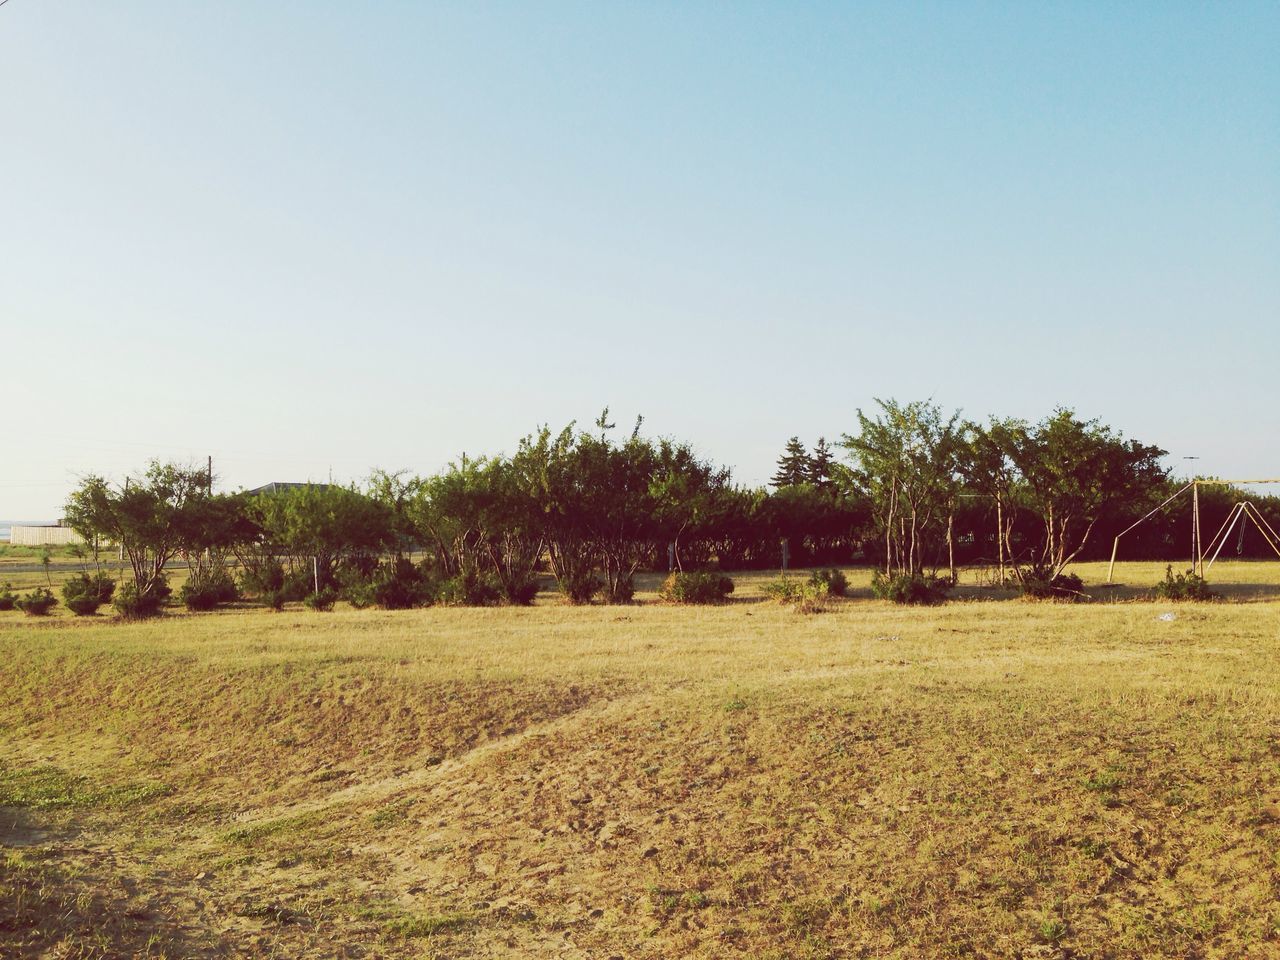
(311, 239)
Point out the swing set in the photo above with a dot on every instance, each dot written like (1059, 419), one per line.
(1243, 510)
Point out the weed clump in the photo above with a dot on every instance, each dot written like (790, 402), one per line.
(1185, 586)
(707, 587)
(7, 597)
(911, 589)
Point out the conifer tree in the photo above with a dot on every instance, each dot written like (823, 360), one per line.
(793, 465)
(820, 464)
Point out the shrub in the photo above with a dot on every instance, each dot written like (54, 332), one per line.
(399, 585)
(207, 589)
(579, 588)
(358, 593)
(905, 588)
(521, 593)
(696, 588)
(297, 585)
(837, 583)
(274, 599)
(1038, 584)
(7, 598)
(132, 605)
(1185, 586)
(264, 578)
(622, 592)
(37, 603)
(470, 589)
(83, 594)
(808, 596)
(322, 601)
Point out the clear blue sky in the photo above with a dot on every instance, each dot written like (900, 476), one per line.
(314, 236)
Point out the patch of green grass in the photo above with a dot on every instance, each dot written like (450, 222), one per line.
(390, 814)
(46, 788)
(428, 925)
(281, 826)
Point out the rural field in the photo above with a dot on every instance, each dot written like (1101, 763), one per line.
(985, 779)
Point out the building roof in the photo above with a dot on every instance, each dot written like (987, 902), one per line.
(278, 486)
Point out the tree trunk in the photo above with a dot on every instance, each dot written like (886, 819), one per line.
(951, 546)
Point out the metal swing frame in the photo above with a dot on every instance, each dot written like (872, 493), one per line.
(1243, 508)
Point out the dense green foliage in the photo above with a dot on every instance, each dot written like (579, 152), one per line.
(83, 594)
(704, 587)
(37, 603)
(208, 588)
(834, 580)
(134, 604)
(922, 491)
(913, 589)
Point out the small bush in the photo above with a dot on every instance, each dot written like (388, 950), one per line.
(579, 589)
(1185, 586)
(37, 603)
(323, 601)
(917, 590)
(273, 599)
(808, 596)
(208, 589)
(521, 593)
(470, 589)
(7, 598)
(622, 592)
(1038, 584)
(83, 594)
(297, 584)
(132, 605)
(399, 585)
(263, 578)
(696, 588)
(837, 583)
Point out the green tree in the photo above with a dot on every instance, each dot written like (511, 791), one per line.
(794, 466)
(988, 465)
(322, 525)
(907, 460)
(822, 465)
(1073, 473)
(152, 517)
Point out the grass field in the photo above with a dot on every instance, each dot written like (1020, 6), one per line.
(984, 779)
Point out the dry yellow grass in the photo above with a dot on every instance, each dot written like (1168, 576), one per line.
(988, 779)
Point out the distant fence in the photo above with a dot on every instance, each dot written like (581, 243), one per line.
(21, 536)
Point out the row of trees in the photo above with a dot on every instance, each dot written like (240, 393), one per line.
(918, 489)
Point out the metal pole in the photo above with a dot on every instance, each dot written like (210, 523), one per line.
(1197, 559)
(1239, 512)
